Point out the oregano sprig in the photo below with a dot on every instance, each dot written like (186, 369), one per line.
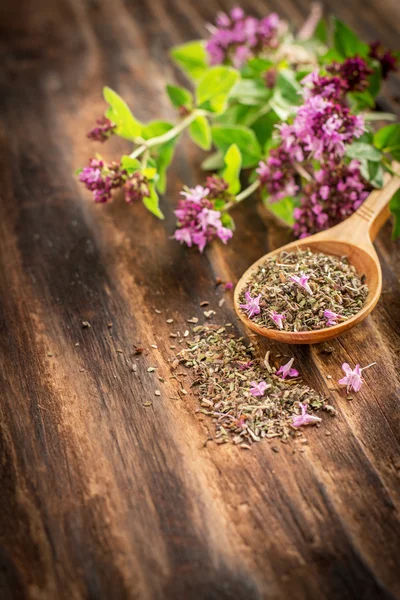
(293, 112)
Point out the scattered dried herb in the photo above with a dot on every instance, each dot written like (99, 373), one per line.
(303, 291)
(224, 369)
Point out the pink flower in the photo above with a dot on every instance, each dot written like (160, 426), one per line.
(304, 418)
(252, 306)
(286, 370)
(136, 188)
(101, 178)
(277, 175)
(196, 194)
(228, 286)
(335, 192)
(103, 131)
(237, 38)
(331, 317)
(353, 379)
(302, 281)
(258, 389)
(198, 223)
(246, 365)
(277, 318)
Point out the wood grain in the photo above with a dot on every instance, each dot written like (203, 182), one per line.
(104, 495)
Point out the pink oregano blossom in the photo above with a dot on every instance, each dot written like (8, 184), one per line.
(353, 379)
(237, 37)
(331, 317)
(277, 318)
(302, 281)
(198, 223)
(304, 418)
(286, 370)
(258, 389)
(252, 305)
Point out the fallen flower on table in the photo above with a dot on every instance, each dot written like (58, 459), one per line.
(286, 370)
(228, 286)
(353, 379)
(258, 389)
(304, 418)
(252, 305)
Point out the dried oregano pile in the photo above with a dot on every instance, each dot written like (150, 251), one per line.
(242, 393)
(303, 291)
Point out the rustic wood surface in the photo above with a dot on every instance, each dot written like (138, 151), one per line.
(101, 494)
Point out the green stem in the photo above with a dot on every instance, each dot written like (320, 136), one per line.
(168, 135)
(388, 166)
(243, 195)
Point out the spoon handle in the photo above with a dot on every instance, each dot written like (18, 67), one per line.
(363, 226)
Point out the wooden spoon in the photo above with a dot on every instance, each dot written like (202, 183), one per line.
(352, 238)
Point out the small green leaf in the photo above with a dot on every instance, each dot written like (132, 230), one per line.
(321, 32)
(131, 165)
(179, 96)
(394, 207)
(250, 92)
(127, 126)
(225, 135)
(361, 150)
(213, 162)
(346, 42)
(214, 87)
(286, 95)
(387, 139)
(191, 58)
(264, 127)
(151, 203)
(372, 172)
(283, 210)
(360, 101)
(233, 164)
(200, 132)
(227, 221)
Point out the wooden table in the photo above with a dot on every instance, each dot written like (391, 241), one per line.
(101, 494)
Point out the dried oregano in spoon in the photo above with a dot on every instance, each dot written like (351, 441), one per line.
(303, 291)
(245, 396)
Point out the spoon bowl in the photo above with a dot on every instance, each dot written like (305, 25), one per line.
(353, 239)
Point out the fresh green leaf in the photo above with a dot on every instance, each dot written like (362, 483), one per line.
(225, 135)
(346, 43)
(331, 56)
(360, 101)
(191, 58)
(361, 150)
(179, 96)
(213, 162)
(151, 203)
(131, 165)
(128, 127)
(233, 164)
(374, 80)
(257, 66)
(214, 87)
(150, 173)
(264, 127)
(227, 221)
(282, 210)
(321, 32)
(372, 172)
(387, 139)
(200, 132)
(394, 207)
(250, 92)
(286, 95)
